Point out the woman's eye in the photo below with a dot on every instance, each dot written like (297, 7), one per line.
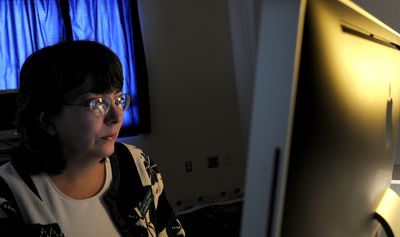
(96, 102)
(102, 108)
(100, 101)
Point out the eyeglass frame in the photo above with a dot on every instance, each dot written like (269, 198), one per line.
(88, 103)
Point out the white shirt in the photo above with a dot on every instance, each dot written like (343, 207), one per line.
(87, 217)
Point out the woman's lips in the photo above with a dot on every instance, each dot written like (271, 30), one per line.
(110, 137)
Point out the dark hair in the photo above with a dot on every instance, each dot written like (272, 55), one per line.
(46, 76)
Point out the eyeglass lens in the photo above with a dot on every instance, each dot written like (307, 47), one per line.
(101, 106)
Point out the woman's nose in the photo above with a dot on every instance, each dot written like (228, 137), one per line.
(114, 114)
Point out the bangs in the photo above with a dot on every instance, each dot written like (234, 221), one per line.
(106, 81)
(101, 63)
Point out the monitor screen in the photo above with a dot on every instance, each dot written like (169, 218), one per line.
(327, 142)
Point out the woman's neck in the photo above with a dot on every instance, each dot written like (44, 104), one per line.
(79, 181)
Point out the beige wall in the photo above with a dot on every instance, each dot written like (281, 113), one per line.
(194, 109)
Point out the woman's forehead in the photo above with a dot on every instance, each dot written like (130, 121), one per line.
(89, 86)
(86, 87)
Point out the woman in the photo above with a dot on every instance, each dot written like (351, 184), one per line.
(69, 177)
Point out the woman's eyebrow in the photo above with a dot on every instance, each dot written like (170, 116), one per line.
(91, 93)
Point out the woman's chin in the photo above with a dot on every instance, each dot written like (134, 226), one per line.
(107, 148)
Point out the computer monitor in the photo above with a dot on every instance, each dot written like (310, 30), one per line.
(325, 121)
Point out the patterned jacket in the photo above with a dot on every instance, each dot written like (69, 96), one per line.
(135, 198)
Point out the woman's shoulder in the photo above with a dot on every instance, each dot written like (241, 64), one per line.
(129, 151)
(133, 150)
(147, 169)
(144, 165)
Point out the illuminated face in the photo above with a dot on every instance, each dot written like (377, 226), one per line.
(83, 134)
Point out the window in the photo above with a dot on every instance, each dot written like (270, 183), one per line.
(26, 26)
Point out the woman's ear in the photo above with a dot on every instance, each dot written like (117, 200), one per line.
(46, 124)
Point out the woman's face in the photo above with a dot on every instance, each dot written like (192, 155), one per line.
(82, 133)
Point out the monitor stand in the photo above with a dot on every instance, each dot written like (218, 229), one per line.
(388, 213)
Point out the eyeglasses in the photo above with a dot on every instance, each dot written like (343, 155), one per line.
(101, 106)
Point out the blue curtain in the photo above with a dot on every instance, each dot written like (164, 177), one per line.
(26, 26)
(109, 22)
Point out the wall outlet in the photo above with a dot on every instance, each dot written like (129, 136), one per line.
(213, 162)
(226, 159)
(188, 166)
